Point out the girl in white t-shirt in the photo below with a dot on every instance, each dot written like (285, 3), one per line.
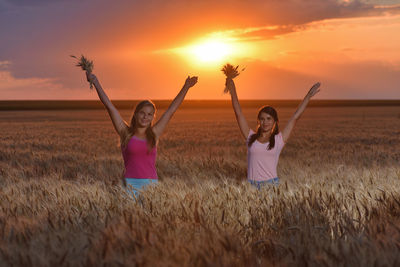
(266, 143)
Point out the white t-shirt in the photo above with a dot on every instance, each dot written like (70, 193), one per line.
(261, 162)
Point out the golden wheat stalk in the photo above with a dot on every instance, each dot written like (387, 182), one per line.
(85, 64)
(230, 72)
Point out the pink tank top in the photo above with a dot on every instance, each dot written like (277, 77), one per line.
(139, 162)
(261, 162)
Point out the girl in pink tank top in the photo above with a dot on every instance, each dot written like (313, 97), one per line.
(266, 143)
(139, 138)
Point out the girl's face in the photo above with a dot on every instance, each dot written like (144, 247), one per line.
(145, 116)
(266, 122)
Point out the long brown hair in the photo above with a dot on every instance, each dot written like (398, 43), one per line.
(270, 111)
(150, 136)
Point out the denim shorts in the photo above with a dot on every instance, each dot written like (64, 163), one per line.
(259, 184)
(134, 185)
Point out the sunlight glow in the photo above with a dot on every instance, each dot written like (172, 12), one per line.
(210, 51)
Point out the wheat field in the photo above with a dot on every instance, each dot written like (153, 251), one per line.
(338, 204)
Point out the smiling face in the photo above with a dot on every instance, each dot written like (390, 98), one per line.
(144, 117)
(266, 122)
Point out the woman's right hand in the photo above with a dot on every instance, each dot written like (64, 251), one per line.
(314, 90)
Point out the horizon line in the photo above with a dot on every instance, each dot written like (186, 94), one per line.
(188, 104)
(200, 99)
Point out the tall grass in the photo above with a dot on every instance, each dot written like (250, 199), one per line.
(61, 202)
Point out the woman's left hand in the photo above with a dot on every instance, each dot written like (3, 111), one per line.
(314, 90)
(91, 77)
(191, 81)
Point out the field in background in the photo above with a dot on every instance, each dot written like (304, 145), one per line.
(130, 104)
(338, 204)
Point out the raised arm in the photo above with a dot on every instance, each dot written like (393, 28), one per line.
(292, 122)
(159, 127)
(120, 125)
(241, 120)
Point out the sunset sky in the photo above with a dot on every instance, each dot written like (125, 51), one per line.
(146, 49)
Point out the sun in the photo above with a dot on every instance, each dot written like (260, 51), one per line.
(215, 49)
(207, 52)
(211, 51)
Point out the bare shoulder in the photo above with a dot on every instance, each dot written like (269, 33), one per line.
(248, 134)
(156, 132)
(124, 131)
(156, 129)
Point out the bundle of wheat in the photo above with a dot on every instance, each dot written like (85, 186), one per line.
(85, 64)
(230, 72)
